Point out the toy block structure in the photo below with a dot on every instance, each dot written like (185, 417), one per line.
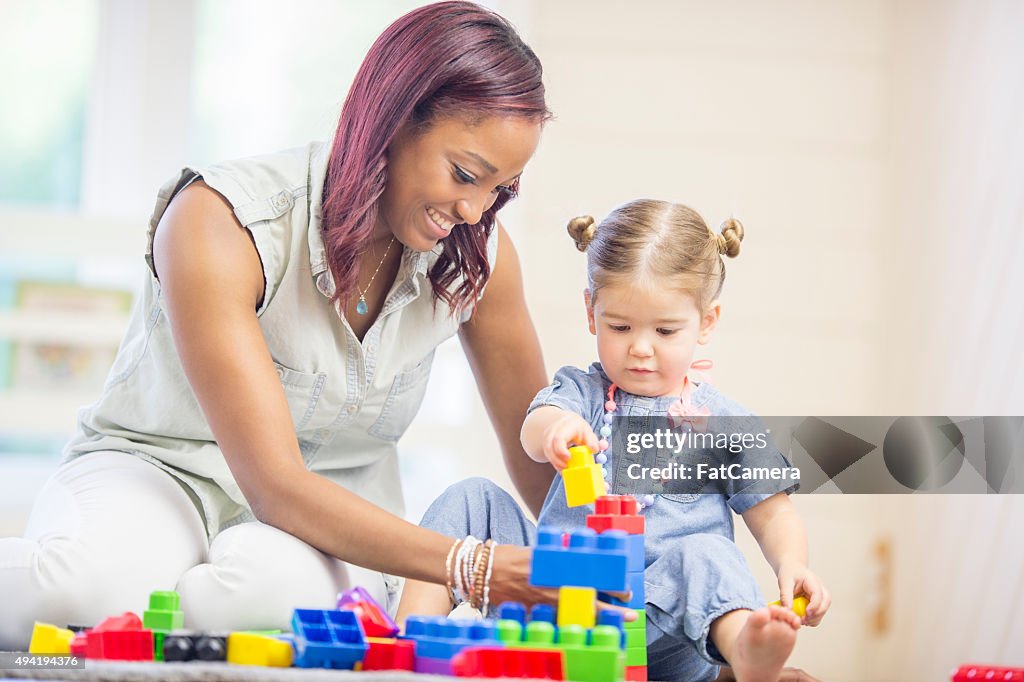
(375, 620)
(245, 648)
(120, 638)
(590, 560)
(50, 639)
(493, 662)
(583, 479)
(327, 639)
(984, 673)
(162, 616)
(389, 654)
(619, 513)
(439, 639)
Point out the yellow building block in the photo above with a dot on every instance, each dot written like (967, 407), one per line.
(50, 639)
(583, 479)
(799, 605)
(248, 649)
(577, 606)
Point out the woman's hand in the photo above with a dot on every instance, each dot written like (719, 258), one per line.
(796, 579)
(568, 428)
(510, 581)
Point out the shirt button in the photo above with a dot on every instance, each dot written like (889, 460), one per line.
(280, 372)
(280, 201)
(351, 409)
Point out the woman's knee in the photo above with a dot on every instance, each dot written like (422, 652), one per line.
(256, 576)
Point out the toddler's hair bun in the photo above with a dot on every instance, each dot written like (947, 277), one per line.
(582, 230)
(730, 238)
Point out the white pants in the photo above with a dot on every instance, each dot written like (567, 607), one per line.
(109, 528)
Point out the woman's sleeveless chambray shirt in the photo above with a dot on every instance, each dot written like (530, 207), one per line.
(350, 402)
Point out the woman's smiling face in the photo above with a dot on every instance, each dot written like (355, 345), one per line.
(450, 175)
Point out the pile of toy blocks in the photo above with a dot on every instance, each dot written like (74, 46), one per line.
(576, 642)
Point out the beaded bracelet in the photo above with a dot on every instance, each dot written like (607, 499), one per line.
(487, 578)
(480, 575)
(448, 571)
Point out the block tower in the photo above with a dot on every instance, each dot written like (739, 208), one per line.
(619, 513)
(579, 564)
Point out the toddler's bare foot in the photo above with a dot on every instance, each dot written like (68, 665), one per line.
(764, 644)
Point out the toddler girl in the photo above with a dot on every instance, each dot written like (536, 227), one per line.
(655, 273)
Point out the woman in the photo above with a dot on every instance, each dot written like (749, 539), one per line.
(243, 449)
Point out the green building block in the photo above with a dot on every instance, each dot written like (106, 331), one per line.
(635, 638)
(163, 612)
(636, 656)
(158, 645)
(600, 661)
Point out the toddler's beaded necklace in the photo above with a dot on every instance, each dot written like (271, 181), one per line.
(682, 407)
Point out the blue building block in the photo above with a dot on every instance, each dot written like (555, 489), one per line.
(545, 613)
(590, 560)
(512, 610)
(438, 637)
(635, 584)
(635, 550)
(327, 639)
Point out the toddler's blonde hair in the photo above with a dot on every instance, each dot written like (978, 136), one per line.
(647, 240)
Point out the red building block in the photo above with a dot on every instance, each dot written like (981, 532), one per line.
(376, 622)
(636, 673)
(79, 644)
(987, 673)
(616, 512)
(120, 638)
(389, 654)
(492, 662)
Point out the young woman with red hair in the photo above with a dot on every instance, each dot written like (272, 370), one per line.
(243, 449)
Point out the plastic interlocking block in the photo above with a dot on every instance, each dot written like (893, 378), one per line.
(985, 673)
(389, 654)
(375, 620)
(164, 612)
(636, 673)
(635, 585)
(590, 560)
(583, 479)
(245, 648)
(492, 662)
(327, 639)
(438, 637)
(120, 638)
(577, 606)
(616, 512)
(50, 639)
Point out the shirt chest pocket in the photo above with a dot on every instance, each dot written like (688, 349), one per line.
(403, 401)
(302, 390)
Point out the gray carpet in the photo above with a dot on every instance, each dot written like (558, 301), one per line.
(112, 671)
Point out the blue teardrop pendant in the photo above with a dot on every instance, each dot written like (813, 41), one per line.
(361, 306)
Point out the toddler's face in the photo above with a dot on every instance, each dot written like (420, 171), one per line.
(646, 335)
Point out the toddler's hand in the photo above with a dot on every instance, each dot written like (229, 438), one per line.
(797, 579)
(568, 429)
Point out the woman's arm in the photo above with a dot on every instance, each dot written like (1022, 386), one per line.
(505, 355)
(212, 283)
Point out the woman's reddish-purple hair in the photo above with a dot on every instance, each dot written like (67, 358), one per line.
(445, 59)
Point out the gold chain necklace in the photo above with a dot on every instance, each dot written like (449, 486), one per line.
(361, 306)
